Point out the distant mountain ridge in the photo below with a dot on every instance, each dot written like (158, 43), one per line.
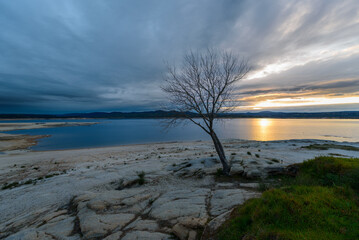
(170, 114)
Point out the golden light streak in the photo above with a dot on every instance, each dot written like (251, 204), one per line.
(264, 130)
(264, 122)
(299, 102)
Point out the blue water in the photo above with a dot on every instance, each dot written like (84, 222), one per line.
(130, 131)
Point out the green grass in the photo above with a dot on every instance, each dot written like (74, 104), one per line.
(141, 178)
(297, 212)
(320, 202)
(331, 171)
(328, 146)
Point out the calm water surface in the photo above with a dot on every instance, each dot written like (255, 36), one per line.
(130, 131)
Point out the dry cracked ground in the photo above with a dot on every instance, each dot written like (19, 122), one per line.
(98, 193)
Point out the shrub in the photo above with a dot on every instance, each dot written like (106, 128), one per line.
(141, 177)
(275, 160)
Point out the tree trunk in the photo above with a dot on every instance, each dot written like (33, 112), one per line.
(220, 152)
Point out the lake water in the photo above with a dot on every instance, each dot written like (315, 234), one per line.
(130, 131)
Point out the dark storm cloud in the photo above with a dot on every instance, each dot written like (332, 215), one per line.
(64, 56)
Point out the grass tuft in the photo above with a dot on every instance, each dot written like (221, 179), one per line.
(141, 177)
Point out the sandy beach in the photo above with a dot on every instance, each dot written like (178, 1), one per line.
(97, 193)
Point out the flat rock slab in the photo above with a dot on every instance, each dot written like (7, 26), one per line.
(143, 235)
(60, 227)
(144, 225)
(30, 234)
(225, 199)
(114, 236)
(174, 205)
(94, 226)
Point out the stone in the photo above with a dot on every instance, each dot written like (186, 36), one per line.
(181, 203)
(97, 205)
(16, 224)
(192, 222)
(225, 199)
(143, 235)
(180, 231)
(215, 223)
(237, 169)
(97, 225)
(249, 185)
(254, 173)
(145, 225)
(61, 228)
(192, 235)
(30, 234)
(127, 200)
(85, 197)
(52, 215)
(224, 185)
(114, 236)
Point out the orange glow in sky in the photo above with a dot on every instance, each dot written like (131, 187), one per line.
(302, 101)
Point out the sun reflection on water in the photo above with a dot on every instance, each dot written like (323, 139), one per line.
(264, 128)
(265, 122)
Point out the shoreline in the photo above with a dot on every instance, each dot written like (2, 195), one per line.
(220, 118)
(188, 141)
(36, 137)
(175, 173)
(22, 142)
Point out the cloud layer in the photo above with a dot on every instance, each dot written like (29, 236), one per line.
(66, 56)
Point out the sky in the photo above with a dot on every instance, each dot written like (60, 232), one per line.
(83, 56)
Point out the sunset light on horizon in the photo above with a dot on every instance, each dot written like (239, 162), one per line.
(300, 101)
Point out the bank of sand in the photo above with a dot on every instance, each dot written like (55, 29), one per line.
(95, 193)
(20, 142)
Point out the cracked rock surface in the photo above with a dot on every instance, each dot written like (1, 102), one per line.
(101, 196)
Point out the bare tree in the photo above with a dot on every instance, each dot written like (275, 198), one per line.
(202, 88)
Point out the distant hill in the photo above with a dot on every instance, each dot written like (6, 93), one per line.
(171, 114)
